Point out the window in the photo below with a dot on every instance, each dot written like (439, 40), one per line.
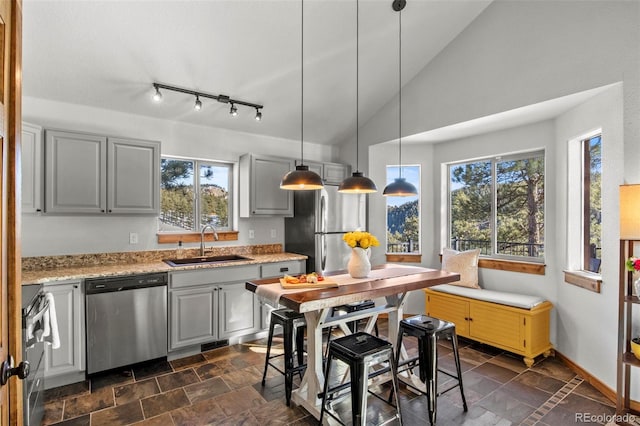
(497, 205)
(194, 193)
(591, 203)
(403, 214)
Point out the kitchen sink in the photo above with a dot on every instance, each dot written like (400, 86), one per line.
(206, 259)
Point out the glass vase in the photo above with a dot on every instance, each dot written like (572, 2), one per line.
(636, 287)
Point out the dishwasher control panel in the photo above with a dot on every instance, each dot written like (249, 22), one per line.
(128, 282)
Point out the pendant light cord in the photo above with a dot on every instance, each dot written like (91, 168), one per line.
(400, 93)
(302, 82)
(357, 83)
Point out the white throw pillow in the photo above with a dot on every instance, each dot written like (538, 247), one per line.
(464, 263)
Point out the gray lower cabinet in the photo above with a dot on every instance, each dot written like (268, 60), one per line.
(193, 316)
(206, 305)
(66, 364)
(94, 174)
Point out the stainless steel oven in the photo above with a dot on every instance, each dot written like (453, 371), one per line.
(34, 309)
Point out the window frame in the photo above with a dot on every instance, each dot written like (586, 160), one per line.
(197, 163)
(386, 216)
(585, 200)
(493, 216)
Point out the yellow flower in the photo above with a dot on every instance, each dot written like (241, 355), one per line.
(360, 239)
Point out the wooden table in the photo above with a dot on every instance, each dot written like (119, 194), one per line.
(316, 305)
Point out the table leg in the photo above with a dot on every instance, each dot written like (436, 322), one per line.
(312, 382)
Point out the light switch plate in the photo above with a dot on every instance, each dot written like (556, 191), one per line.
(273, 233)
(133, 238)
(252, 234)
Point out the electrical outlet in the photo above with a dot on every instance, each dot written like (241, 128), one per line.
(273, 233)
(252, 234)
(133, 238)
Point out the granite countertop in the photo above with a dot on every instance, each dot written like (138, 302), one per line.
(37, 270)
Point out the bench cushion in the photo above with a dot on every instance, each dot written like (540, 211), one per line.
(501, 297)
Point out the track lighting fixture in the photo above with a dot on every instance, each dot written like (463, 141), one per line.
(400, 187)
(301, 179)
(157, 96)
(224, 99)
(357, 183)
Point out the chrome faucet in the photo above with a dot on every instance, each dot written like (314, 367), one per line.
(215, 237)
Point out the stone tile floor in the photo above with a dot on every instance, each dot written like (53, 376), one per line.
(223, 387)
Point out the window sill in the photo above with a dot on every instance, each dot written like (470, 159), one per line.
(586, 280)
(513, 266)
(194, 237)
(404, 258)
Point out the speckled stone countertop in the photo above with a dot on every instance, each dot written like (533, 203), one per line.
(42, 269)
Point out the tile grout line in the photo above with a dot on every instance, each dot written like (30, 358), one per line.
(553, 401)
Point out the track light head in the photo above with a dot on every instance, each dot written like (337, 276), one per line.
(157, 96)
(234, 110)
(198, 105)
(258, 115)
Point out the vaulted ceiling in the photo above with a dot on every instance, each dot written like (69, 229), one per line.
(107, 54)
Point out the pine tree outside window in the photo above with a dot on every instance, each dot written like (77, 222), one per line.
(194, 193)
(403, 214)
(497, 205)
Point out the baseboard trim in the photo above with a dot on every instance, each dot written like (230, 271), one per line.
(594, 381)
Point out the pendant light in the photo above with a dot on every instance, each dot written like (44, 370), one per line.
(357, 183)
(400, 187)
(301, 179)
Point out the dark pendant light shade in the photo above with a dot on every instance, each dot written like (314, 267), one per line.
(301, 179)
(357, 183)
(400, 188)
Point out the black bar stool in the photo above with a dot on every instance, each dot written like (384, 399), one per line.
(353, 325)
(291, 322)
(359, 351)
(428, 330)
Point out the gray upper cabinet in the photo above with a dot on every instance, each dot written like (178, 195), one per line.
(331, 173)
(76, 172)
(32, 167)
(133, 176)
(93, 174)
(260, 193)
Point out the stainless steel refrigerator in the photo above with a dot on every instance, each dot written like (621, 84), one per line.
(320, 220)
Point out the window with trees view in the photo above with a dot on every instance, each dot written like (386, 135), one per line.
(591, 203)
(194, 193)
(403, 214)
(497, 205)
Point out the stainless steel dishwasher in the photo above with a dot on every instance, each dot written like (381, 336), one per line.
(126, 320)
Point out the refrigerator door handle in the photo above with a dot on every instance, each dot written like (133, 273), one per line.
(323, 252)
(323, 213)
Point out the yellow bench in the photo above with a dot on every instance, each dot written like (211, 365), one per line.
(514, 322)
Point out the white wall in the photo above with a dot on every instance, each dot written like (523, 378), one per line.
(44, 234)
(587, 321)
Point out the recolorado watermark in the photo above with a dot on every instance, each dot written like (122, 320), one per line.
(604, 418)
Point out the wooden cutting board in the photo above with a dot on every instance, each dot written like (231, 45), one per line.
(326, 283)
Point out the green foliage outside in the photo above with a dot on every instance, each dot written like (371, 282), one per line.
(403, 228)
(519, 206)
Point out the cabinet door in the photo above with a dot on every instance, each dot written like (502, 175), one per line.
(450, 309)
(76, 173)
(334, 173)
(314, 167)
(133, 176)
(491, 324)
(239, 310)
(32, 168)
(266, 196)
(69, 358)
(192, 316)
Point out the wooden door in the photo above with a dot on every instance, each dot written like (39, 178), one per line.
(10, 129)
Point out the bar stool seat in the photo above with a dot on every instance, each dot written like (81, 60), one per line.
(291, 322)
(360, 351)
(428, 330)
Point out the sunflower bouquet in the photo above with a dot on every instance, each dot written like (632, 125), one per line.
(360, 239)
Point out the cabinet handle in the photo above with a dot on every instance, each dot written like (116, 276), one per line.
(284, 269)
(38, 210)
(75, 286)
(102, 211)
(110, 211)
